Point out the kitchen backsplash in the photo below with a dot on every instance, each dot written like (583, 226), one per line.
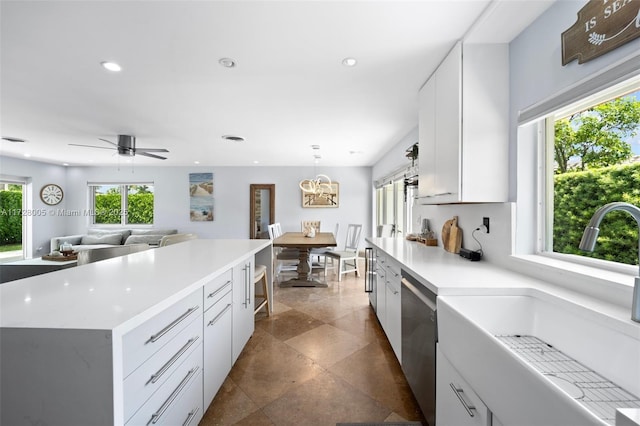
(496, 245)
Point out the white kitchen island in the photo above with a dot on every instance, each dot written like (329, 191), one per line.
(121, 341)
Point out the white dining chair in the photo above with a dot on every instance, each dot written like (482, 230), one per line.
(284, 259)
(347, 259)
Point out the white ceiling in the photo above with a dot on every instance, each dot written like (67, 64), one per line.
(288, 91)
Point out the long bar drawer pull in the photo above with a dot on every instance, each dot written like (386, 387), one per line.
(154, 337)
(155, 417)
(155, 377)
(191, 416)
(212, 294)
(458, 391)
(213, 321)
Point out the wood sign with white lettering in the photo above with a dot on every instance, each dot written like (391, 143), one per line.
(602, 26)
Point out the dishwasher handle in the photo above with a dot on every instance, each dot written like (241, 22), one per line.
(412, 288)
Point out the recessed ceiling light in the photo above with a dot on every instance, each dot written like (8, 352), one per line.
(233, 138)
(255, 162)
(196, 162)
(111, 66)
(26, 154)
(227, 62)
(65, 164)
(349, 62)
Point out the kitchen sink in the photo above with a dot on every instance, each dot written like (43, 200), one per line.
(538, 359)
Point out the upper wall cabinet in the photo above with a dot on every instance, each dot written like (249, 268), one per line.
(463, 127)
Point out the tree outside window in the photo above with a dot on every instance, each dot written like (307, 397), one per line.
(123, 204)
(597, 161)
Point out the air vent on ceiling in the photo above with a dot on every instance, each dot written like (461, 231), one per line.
(14, 140)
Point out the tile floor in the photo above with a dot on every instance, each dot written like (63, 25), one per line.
(321, 358)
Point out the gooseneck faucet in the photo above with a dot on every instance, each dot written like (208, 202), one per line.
(588, 243)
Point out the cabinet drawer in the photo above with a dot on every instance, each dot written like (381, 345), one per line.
(217, 346)
(145, 340)
(150, 376)
(184, 385)
(187, 410)
(216, 288)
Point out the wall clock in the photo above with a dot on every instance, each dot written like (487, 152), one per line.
(51, 194)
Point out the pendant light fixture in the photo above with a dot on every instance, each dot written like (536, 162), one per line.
(320, 186)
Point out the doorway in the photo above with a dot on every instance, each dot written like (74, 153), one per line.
(12, 220)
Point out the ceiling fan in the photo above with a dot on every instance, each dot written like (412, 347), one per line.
(127, 146)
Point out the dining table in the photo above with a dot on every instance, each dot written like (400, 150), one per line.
(304, 244)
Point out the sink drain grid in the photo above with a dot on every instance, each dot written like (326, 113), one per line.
(597, 394)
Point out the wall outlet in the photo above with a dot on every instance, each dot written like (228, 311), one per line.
(485, 222)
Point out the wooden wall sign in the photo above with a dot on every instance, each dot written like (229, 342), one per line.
(602, 26)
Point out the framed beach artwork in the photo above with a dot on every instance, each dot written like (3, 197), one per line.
(327, 199)
(201, 197)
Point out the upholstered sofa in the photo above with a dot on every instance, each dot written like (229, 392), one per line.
(101, 237)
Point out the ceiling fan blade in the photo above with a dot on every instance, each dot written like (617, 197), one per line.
(151, 150)
(91, 146)
(104, 140)
(151, 155)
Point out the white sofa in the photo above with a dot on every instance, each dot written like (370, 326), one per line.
(109, 237)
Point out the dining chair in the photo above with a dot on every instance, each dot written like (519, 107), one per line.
(305, 223)
(347, 259)
(284, 259)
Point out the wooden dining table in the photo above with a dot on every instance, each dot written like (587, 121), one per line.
(304, 245)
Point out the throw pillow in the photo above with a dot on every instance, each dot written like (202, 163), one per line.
(113, 239)
(124, 233)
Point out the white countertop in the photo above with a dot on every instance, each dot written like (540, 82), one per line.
(447, 273)
(119, 293)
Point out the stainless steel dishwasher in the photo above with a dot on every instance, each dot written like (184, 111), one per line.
(419, 337)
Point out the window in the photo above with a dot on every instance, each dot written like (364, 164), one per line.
(592, 158)
(122, 204)
(394, 204)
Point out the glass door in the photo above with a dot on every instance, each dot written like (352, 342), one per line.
(12, 221)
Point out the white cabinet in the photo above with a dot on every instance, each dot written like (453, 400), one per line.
(217, 334)
(456, 403)
(388, 300)
(393, 323)
(243, 305)
(381, 294)
(463, 127)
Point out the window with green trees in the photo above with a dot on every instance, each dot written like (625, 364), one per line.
(122, 204)
(594, 159)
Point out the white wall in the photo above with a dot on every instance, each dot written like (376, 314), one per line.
(231, 196)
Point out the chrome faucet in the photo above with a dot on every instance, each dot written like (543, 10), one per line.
(588, 243)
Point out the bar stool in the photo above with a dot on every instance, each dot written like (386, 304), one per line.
(261, 275)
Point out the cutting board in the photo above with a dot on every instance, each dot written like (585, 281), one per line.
(452, 235)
